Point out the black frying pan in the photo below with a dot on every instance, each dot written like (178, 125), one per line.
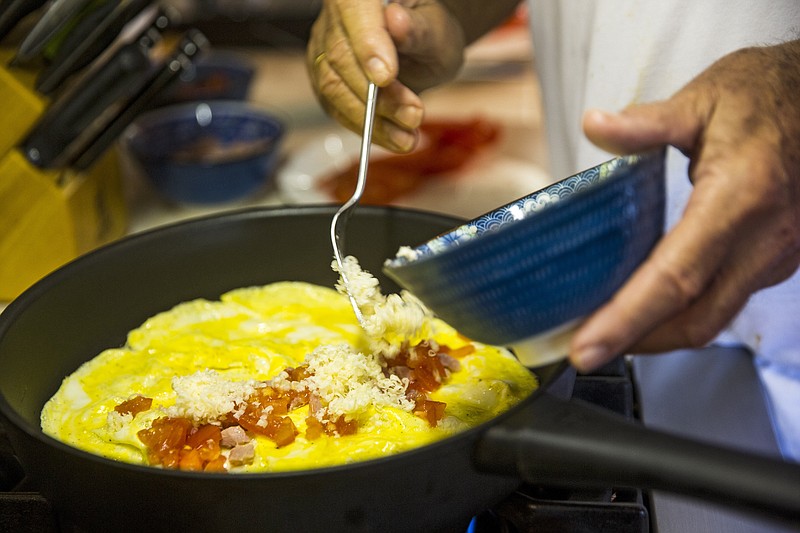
(92, 303)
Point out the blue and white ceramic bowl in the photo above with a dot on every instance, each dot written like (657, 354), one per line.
(525, 274)
(206, 152)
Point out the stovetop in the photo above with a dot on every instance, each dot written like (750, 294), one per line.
(534, 508)
(530, 508)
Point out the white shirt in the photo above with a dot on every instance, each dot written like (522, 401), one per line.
(608, 54)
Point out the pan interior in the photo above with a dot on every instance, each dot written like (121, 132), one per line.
(92, 303)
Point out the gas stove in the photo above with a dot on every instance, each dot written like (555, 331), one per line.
(536, 508)
(530, 508)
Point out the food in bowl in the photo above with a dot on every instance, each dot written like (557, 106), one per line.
(206, 152)
(280, 377)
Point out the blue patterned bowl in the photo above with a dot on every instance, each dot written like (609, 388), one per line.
(526, 273)
(206, 152)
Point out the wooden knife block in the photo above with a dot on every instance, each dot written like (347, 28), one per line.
(47, 217)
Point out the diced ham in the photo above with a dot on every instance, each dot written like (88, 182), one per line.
(402, 372)
(450, 363)
(314, 404)
(242, 454)
(234, 436)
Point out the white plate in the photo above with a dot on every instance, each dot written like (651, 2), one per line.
(495, 176)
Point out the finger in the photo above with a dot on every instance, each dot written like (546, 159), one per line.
(341, 90)
(731, 241)
(429, 42)
(398, 116)
(702, 322)
(766, 251)
(347, 108)
(410, 26)
(400, 112)
(676, 273)
(662, 286)
(676, 122)
(365, 27)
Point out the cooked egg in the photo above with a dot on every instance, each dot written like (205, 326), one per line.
(251, 335)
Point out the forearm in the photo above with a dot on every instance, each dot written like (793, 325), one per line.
(477, 17)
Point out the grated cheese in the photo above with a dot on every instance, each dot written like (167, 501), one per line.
(407, 253)
(389, 321)
(206, 396)
(349, 382)
(346, 382)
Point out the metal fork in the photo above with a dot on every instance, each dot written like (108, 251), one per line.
(339, 222)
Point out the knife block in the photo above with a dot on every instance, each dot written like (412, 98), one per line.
(47, 217)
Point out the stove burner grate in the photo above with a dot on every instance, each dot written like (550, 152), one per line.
(534, 508)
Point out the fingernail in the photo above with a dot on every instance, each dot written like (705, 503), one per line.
(589, 358)
(409, 116)
(377, 70)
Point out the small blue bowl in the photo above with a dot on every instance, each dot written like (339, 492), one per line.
(525, 274)
(206, 152)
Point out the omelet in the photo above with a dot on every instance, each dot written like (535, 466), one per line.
(202, 358)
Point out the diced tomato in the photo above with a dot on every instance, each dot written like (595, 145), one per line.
(216, 465)
(205, 440)
(134, 406)
(207, 432)
(461, 351)
(414, 393)
(168, 459)
(283, 431)
(190, 460)
(250, 422)
(430, 410)
(298, 399)
(298, 374)
(280, 405)
(314, 428)
(166, 434)
(269, 397)
(424, 378)
(345, 427)
(280, 429)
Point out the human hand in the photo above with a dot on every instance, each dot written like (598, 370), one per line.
(353, 43)
(739, 124)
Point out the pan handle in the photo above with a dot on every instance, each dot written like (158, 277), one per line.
(573, 443)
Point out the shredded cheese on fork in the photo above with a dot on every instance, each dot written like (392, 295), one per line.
(389, 321)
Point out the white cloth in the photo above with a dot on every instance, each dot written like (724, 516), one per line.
(611, 53)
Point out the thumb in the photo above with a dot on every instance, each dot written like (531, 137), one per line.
(642, 127)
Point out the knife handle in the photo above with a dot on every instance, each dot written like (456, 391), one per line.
(86, 41)
(191, 45)
(14, 11)
(68, 125)
(69, 116)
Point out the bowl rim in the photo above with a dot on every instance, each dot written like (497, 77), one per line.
(449, 242)
(161, 113)
(169, 113)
